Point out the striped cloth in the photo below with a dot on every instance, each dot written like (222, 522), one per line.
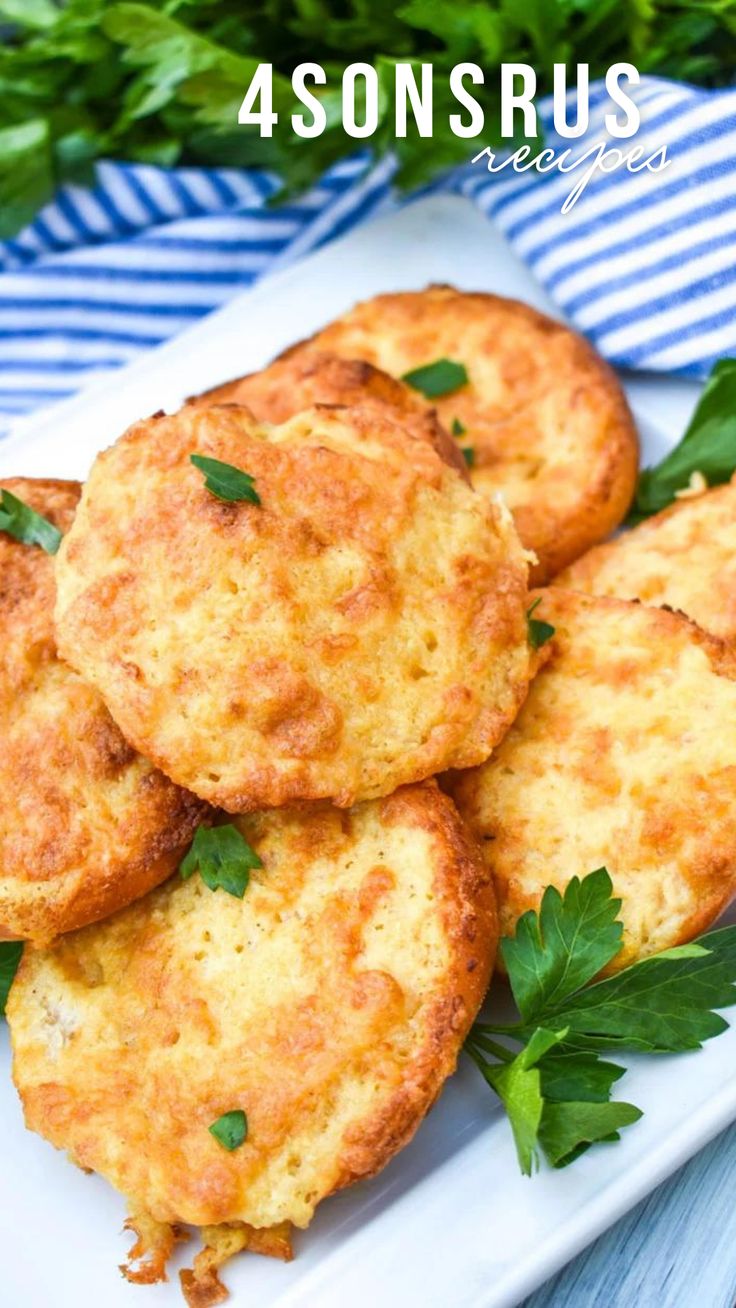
(644, 263)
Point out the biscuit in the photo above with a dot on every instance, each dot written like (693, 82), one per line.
(361, 628)
(545, 417)
(86, 825)
(624, 756)
(301, 378)
(329, 1005)
(683, 557)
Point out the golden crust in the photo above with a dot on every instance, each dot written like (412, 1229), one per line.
(684, 557)
(361, 629)
(85, 824)
(201, 1286)
(624, 755)
(545, 415)
(330, 1004)
(301, 378)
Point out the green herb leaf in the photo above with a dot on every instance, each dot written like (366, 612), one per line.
(225, 481)
(708, 446)
(10, 956)
(457, 428)
(29, 13)
(24, 524)
(555, 952)
(539, 632)
(468, 454)
(231, 1129)
(557, 1089)
(661, 1004)
(518, 1085)
(566, 1129)
(438, 378)
(224, 858)
(26, 174)
(577, 1076)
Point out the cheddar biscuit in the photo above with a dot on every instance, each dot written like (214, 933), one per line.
(623, 756)
(86, 825)
(301, 378)
(544, 416)
(683, 557)
(360, 627)
(328, 1006)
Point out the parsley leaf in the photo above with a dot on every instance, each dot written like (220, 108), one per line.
(557, 1089)
(468, 454)
(457, 428)
(24, 524)
(26, 173)
(438, 378)
(556, 951)
(224, 858)
(539, 632)
(660, 1005)
(10, 956)
(570, 1074)
(231, 1129)
(225, 481)
(518, 1084)
(566, 1129)
(708, 446)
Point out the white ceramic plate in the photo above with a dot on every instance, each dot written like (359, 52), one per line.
(450, 1222)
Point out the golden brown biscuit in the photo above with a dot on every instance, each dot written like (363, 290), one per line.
(545, 416)
(86, 825)
(329, 1005)
(362, 627)
(623, 756)
(684, 557)
(301, 378)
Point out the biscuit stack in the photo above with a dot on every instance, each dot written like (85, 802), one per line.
(275, 617)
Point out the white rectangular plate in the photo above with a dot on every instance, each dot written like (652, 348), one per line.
(451, 1221)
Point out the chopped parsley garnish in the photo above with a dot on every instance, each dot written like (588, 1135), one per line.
(556, 1089)
(438, 378)
(468, 454)
(224, 858)
(10, 955)
(225, 481)
(539, 632)
(231, 1129)
(457, 428)
(24, 524)
(708, 447)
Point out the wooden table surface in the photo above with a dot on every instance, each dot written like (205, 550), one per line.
(676, 1249)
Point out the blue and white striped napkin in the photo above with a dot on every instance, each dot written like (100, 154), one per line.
(644, 263)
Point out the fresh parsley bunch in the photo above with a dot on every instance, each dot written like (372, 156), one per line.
(556, 1088)
(162, 82)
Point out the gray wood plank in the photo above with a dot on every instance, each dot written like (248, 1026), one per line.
(676, 1249)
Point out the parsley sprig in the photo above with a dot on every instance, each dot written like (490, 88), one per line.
(557, 1088)
(22, 522)
(708, 447)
